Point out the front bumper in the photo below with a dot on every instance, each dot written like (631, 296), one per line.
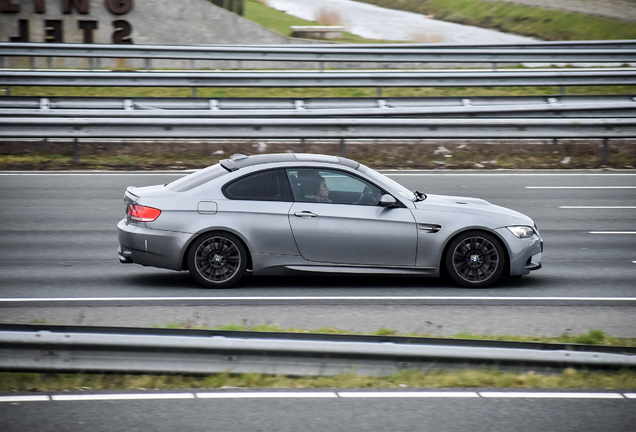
(149, 247)
(525, 253)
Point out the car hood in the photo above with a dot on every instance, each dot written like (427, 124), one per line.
(499, 215)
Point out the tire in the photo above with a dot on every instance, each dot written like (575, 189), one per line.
(475, 259)
(217, 260)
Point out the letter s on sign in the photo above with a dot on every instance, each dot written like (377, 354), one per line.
(122, 32)
(119, 7)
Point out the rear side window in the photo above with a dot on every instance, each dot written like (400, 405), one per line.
(197, 178)
(261, 186)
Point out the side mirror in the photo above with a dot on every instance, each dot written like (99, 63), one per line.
(388, 201)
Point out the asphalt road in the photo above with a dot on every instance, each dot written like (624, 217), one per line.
(58, 263)
(323, 410)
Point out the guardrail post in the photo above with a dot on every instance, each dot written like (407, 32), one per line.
(194, 92)
(494, 67)
(562, 90)
(148, 64)
(76, 151)
(32, 63)
(605, 152)
(378, 92)
(342, 151)
(321, 66)
(49, 63)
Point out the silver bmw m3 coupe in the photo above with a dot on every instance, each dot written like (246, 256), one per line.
(291, 213)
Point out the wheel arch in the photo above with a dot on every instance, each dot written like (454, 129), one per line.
(191, 241)
(502, 243)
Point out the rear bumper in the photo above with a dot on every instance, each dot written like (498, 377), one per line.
(149, 247)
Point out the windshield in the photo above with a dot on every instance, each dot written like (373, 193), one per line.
(197, 178)
(384, 180)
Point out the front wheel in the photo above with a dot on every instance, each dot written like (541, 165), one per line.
(475, 259)
(217, 260)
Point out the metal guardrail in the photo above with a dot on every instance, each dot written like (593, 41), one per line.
(548, 45)
(622, 53)
(523, 78)
(51, 349)
(63, 103)
(306, 128)
(552, 107)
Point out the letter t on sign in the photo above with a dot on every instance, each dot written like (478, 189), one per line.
(88, 27)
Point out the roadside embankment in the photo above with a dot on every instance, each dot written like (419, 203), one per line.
(36, 154)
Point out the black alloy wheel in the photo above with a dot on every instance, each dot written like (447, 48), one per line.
(475, 259)
(217, 260)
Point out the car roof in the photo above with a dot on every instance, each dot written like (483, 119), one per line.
(239, 161)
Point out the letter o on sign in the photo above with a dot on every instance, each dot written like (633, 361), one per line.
(119, 7)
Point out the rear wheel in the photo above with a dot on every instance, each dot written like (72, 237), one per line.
(217, 260)
(475, 259)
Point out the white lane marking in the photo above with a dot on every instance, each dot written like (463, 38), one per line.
(42, 398)
(550, 395)
(613, 232)
(406, 394)
(265, 395)
(305, 395)
(275, 298)
(124, 396)
(599, 207)
(580, 187)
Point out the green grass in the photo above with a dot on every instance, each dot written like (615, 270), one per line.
(546, 24)
(593, 337)
(315, 92)
(493, 378)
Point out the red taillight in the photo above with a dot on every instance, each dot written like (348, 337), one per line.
(141, 213)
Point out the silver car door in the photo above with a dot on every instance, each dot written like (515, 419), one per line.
(348, 226)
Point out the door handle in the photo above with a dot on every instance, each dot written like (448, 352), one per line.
(305, 214)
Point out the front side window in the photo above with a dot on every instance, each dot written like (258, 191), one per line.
(261, 186)
(331, 186)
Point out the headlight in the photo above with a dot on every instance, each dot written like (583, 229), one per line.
(521, 231)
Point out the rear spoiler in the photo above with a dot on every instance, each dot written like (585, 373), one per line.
(130, 197)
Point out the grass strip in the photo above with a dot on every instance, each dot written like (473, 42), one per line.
(546, 24)
(118, 157)
(314, 92)
(593, 337)
(493, 378)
